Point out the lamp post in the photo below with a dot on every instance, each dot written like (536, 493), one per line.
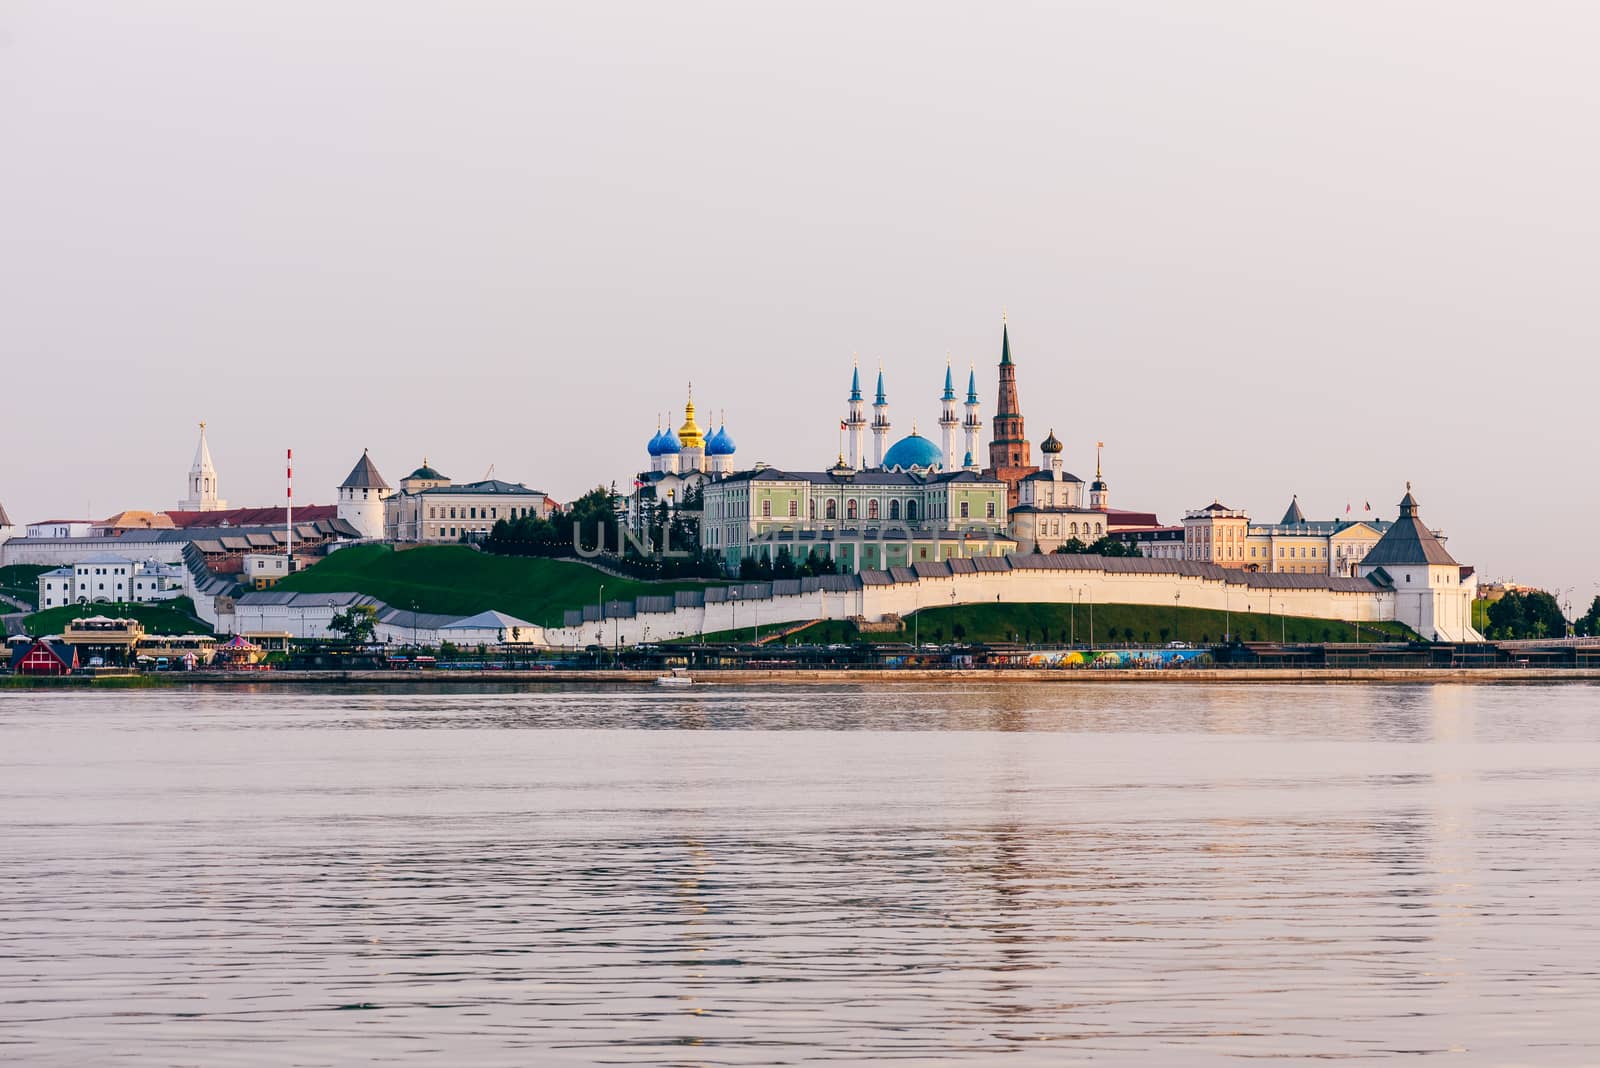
(1177, 627)
(600, 632)
(1090, 592)
(413, 624)
(1072, 613)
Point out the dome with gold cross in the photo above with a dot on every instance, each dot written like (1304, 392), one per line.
(690, 436)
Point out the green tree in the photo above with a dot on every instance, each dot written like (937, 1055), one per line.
(357, 624)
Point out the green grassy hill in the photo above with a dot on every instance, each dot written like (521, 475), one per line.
(160, 617)
(22, 582)
(1053, 624)
(455, 580)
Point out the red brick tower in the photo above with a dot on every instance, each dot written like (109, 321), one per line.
(1010, 455)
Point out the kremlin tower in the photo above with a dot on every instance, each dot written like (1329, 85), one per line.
(1010, 455)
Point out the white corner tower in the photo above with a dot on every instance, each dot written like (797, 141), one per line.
(948, 420)
(880, 424)
(202, 481)
(361, 497)
(855, 422)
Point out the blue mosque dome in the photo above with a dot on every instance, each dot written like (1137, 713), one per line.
(912, 451)
(669, 444)
(720, 444)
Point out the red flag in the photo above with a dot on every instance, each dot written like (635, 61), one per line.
(1346, 507)
(843, 425)
(1369, 506)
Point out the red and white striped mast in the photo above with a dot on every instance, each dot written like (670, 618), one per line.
(288, 513)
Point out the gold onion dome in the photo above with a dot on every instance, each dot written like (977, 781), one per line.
(1050, 444)
(690, 436)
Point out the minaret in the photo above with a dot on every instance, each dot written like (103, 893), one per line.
(855, 422)
(948, 420)
(202, 481)
(972, 424)
(1099, 492)
(880, 424)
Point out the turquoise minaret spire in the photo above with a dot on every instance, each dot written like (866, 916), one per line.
(880, 423)
(972, 426)
(948, 420)
(855, 422)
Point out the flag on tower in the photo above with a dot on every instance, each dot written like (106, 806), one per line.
(843, 425)
(1346, 507)
(1369, 506)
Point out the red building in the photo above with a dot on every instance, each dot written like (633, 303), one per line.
(44, 656)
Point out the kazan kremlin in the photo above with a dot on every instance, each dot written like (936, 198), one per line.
(906, 525)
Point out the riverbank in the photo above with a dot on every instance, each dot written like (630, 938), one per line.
(850, 676)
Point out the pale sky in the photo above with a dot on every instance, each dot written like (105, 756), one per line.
(1257, 248)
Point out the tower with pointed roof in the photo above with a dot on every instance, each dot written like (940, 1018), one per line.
(1432, 593)
(1099, 492)
(691, 439)
(855, 422)
(949, 421)
(1010, 455)
(202, 481)
(361, 497)
(971, 425)
(880, 424)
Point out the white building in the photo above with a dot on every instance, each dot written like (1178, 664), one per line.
(432, 508)
(202, 481)
(1432, 593)
(361, 497)
(1052, 507)
(112, 578)
(61, 528)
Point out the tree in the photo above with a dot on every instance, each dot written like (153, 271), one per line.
(1589, 622)
(357, 624)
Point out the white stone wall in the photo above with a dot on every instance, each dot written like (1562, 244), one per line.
(64, 552)
(1006, 587)
(363, 509)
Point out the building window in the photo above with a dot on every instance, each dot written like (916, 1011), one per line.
(894, 509)
(872, 508)
(831, 512)
(766, 509)
(990, 510)
(911, 511)
(794, 509)
(966, 510)
(813, 508)
(850, 510)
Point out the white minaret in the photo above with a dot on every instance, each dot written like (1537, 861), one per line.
(855, 422)
(202, 481)
(972, 424)
(361, 497)
(880, 424)
(948, 420)
(1099, 492)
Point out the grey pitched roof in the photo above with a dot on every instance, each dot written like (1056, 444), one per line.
(1408, 542)
(1294, 516)
(364, 475)
(486, 620)
(488, 485)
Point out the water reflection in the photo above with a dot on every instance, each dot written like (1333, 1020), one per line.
(1040, 874)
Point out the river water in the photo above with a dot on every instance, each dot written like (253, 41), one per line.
(1034, 874)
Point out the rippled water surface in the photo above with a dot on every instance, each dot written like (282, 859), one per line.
(1034, 874)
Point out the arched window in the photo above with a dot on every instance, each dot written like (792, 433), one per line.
(872, 508)
(1074, 530)
(850, 509)
(911, 511)
(813, 509)
(832, 512)
(1099, 530)
(894, 509)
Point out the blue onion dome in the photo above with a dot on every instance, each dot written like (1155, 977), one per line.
(654, 448)
(1050, 444)
(670, 445)
(720, 444)
(911, 451)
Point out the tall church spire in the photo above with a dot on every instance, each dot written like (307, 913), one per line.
(202, 481)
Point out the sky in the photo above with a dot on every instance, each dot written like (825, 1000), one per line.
(1258, 249)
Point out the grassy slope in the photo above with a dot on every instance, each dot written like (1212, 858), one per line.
(165, 617)
(1052, 623)
(22, 581)
(454, 580)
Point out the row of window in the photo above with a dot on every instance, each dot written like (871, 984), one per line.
(492, 512)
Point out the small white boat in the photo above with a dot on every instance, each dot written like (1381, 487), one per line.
(676, 677)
